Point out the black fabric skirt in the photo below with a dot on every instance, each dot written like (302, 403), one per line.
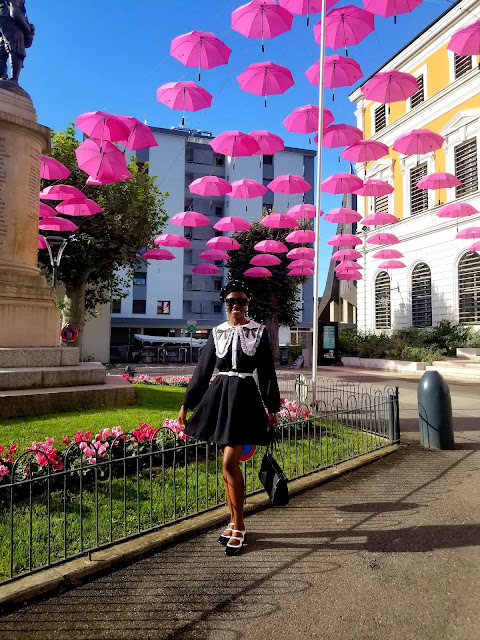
(231, 412)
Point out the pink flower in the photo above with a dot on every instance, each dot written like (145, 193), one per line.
(3, 470)
(65, 440)
(12, 449)
(126, 376)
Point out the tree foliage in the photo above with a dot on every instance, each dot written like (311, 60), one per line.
(106, 242)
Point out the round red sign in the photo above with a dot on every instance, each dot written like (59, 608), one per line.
(69, 334)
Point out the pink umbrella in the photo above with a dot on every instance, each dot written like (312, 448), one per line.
(223, 242)
(289, 184)
(301, 236)
(302, 262)
(466, 41)
(305, 119)
(340, 135)
(387, 8)
(348, 265)
(383, 238)
(247, 188)
(265, 79)
(440, 180)
(271, 246)
(102, 126)
(301, 271)
(200, 49)
(469, 233)
(346, 254)
(344, 240)
(41, 242)
(303, 211)
(342, 270)
(391, 264)
(52, 169)
(125, 175)
(475, 246)
(186, 96)
(172, 240)
(342, 215)
(339, 72)
(210, 186)
(387, 254)
(344, 26)
(104, 162)
(61, 192)
(350, 275)
(44, 211)
(79, 207)
(158, 254)
(235, 144)
(206, 269)
(457, 210)
(279, 221)
(306, 7)
(379, 217)
(301, 252)
(269, 143)
(190, 219)
(390, 86)
(214, 254)
(265, 260)
(418, 141)
(139, 136)
(365, 150)
(261, 19)
(232, 223)
(257, 272)
(341, 183)
(373, 188)
(56, 224)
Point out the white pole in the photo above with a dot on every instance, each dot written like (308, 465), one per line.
(318, 203)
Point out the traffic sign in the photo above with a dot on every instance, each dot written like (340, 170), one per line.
(191, 328)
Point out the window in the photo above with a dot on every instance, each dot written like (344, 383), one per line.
(267, 159)
(217, 308)
(187, 283)
(421, 296)
(217, 285)
(189, 154)
(419, 95)
(266, 181)
(218, 233)
(466, 168)
(163, 307)
(380, 203)
(469, 288)
(418, 197)
(188, 204)
(219, 161)
(139, 306)
(187, 307)
(188, 232)
(382, 301)
(187, 256)
(142, 167)
(218, 212)
(140, 278)
(116, 306)
(462, 65)
(380, 117)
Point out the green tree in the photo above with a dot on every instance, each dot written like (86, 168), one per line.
(105, 242)
(274, 299)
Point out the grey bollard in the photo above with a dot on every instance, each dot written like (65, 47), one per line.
(435, 412)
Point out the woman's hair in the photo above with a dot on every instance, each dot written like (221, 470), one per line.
(234, 285)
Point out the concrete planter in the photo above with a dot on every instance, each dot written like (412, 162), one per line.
(386, 365)
(467, 352)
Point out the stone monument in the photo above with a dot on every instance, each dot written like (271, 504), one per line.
(28, 312)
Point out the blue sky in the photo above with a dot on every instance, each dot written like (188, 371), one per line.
(113, 55)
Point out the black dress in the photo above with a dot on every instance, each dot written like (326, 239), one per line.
(230, 410)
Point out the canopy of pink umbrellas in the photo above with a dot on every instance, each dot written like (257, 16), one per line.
(104, 163)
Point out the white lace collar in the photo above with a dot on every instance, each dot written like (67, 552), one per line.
(249, 335)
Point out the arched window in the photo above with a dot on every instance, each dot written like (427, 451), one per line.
(421, 296)
(382, 301)
(469, 288)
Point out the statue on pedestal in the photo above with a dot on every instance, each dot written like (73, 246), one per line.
(16, 35)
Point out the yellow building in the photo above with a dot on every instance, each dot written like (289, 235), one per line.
(441, 279)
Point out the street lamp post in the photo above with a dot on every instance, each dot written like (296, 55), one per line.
(55, 247)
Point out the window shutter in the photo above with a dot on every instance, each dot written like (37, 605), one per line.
(380, 116)
(382, 301)
(422, 296)
(462, 64)
(466, 167)
(381, 203)
(419, 95)
(418, 197)
(469, 288)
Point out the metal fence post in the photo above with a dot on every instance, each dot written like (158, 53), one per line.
(394, 418)
(435, 412)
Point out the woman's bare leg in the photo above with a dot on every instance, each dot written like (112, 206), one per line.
(234, 486)
(227, 492)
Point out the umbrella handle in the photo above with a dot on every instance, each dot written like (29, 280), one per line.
(263, 48)
(200, 59)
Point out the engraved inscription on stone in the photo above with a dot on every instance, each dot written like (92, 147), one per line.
(4, 156)
(33, 183)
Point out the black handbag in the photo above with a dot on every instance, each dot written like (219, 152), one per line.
(273, 478)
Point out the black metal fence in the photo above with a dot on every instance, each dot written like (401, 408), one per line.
(55, 507)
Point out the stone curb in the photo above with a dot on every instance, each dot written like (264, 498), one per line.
(72, 572)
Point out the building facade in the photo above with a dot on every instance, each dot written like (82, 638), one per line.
(165, 296)
(442, 278)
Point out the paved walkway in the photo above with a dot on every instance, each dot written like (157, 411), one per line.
(390, 551)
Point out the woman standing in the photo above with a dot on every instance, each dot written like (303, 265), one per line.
(231, 411)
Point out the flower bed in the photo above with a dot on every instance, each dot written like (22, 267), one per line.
(175, 381)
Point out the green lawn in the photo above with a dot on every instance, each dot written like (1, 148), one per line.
(153, 404)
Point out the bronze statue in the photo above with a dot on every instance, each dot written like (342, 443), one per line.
(16, 35)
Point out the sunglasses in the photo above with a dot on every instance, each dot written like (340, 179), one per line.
(231, 302)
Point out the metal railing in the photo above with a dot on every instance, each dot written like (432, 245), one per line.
(58, 507)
